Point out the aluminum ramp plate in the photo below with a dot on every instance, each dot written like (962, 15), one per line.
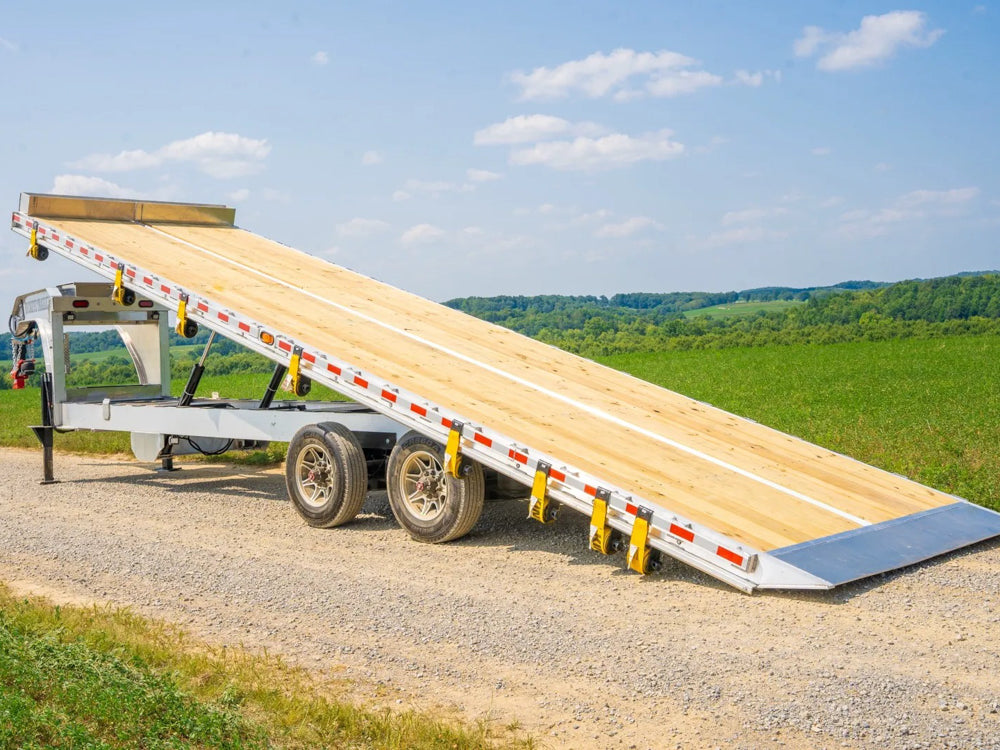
(889, 545)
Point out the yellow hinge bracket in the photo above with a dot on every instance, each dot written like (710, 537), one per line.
(641, 557)
(120, 294)
(300, 384)
(33, 249)
(538, 505)
(453, 450)
(182, 320)
(603, 538)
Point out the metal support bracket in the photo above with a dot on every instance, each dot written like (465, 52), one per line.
(35, 250)
(119, 293)
(453, 450)
(299, 383)
(182, 320)
(538, 505)
(641, 557)
(603, 538)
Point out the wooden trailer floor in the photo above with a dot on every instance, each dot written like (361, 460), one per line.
(752, 483)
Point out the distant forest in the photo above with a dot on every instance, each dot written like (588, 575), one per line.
(596, 326)
(853, 311)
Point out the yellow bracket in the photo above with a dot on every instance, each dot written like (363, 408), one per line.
(33, 247)
(453, 450)
(181, 315)
(538, 505)
(118, 293)
(294, 371)
(641, 558)
(602, 536)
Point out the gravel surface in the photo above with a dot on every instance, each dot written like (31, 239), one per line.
(517, 622)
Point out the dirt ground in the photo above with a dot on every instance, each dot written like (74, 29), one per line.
(517, 624)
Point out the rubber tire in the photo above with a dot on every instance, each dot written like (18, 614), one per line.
(464, 497)
(349, 474)
(305, 385)
(128, 297)
(190, 329)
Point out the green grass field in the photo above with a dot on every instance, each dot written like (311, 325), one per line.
(927, 409)
(741, 309)
(96, 677)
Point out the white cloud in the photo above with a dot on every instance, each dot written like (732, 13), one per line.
(820, 151)
(883, 167)
(832, 202)
(359, 227)
(371, 158)
(938, 197)
(742, 236)
(238, 196)
(421, 234)
(482, 175)
(528, 128)
(401, 195)
(320, 58)
(78, 184)
(221, 155)
(813, 37)
(876, 39)
(123, 161)
(910, 207)
(682, 82)
(473, 232)
(588, 216)
(8, 45)
(666, 74)
(628, 227)
(753, 80)
(433, 188)
(748, 215)
(615, 150)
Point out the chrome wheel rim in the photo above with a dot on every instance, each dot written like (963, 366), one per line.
(422, 485)
(314, 470)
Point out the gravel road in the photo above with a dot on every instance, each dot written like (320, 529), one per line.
(517, 622)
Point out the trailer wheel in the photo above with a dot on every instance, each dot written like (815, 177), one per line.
(326, 474)
(430, 504)
(189, 330)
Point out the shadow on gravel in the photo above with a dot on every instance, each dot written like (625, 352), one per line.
(241, 481)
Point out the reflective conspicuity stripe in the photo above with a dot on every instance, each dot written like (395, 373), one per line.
(527, 383)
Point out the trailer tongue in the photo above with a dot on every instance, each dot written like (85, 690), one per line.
(657, 473)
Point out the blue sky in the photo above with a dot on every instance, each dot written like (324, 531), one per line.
(529, 147)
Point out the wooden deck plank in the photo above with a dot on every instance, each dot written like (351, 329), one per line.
(586, 433)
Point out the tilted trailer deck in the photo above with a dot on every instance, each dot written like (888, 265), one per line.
(657, 472)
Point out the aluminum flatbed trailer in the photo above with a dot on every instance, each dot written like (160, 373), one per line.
(662, 473)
